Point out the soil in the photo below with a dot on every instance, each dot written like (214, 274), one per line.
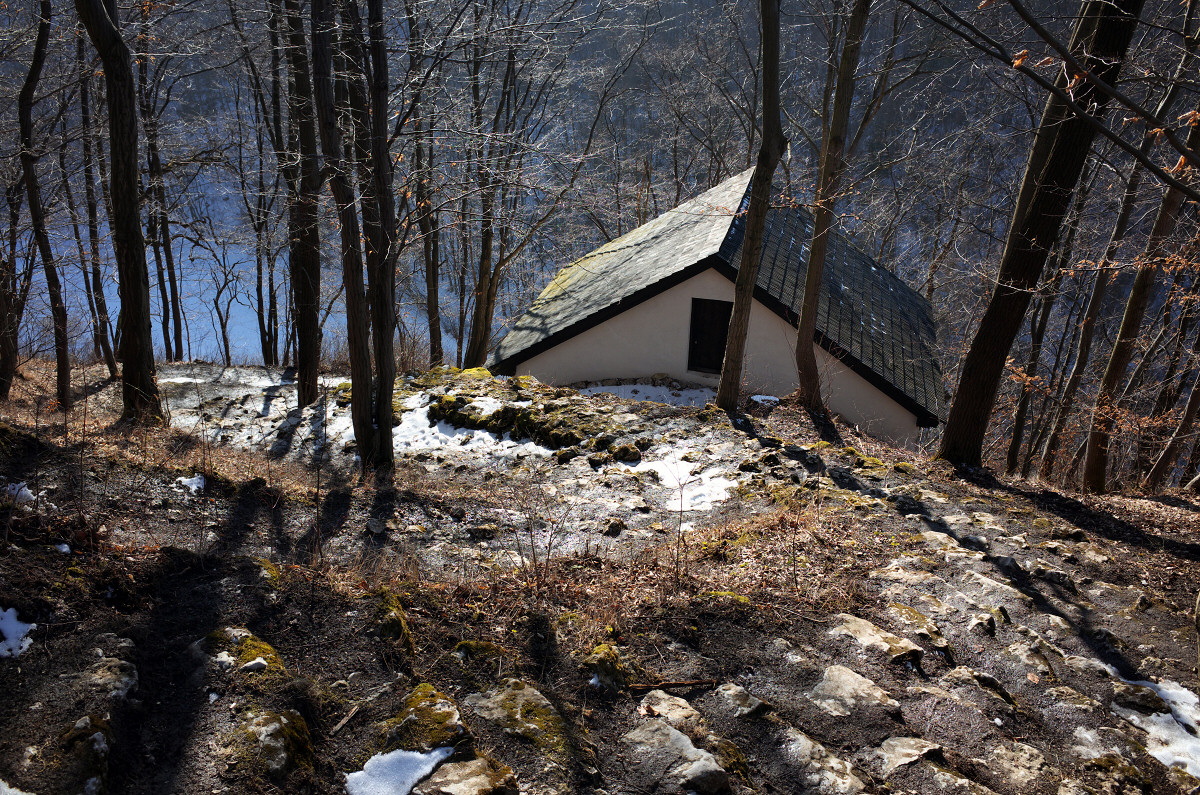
(295, 550)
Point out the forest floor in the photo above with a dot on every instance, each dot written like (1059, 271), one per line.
(564, 592)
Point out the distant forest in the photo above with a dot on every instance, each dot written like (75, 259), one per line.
(381, 186)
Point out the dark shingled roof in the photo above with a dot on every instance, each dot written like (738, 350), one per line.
(867, 318)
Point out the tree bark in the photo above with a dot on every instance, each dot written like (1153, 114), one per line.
(304, 253)
(769, 153)
(828, 186)
(357, 331)
(139, 392)
(37, 212)
(1061, 145)
(1095, 465)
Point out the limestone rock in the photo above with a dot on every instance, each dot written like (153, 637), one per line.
(429, 719)
(841, 690)
(869, 636)
(821, 772)
(480, 776)
(111, 676)
(666, 757)
(280, 740)
(1021, 763)
(519, 709)
(896, 752)
(1139, 698)
(674, 710)
(743, 704)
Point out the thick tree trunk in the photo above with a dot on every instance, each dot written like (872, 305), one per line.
(828, 186)
(1095, 466)
(773, 145)
(139, 391)
(37, 213)
(89, 197)
(1169, 456)
(1060, 148)
(11, 303)
(304, 212)
(357, 331)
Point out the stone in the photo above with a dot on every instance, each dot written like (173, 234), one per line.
(1070, 697)
(1021, 763)
(480, 776)
(1030, 656)
(255, 665)
(428, 719)
(520, 709)
(743, 704)
(615, 527)
(112, 677)
(982, 624)
(280, 739)
(610, 668)
(1138, 698)
(841, 691)
(869, 636)
(820, 772)
(896, 752)
(666, 757)
(674, 710)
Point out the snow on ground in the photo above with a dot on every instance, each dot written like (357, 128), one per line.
(1174, 737)
(5, 789)
(14, 631)
(414, 433)
(658, 394)
(18, 493)
(394, 773)
(193, 484)
(699, 488)
(765, 399)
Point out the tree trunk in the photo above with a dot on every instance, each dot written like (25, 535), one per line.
(1095, 466)
(37, 213)
(304, 211)
(1167, 459)
(139, 392)
(357, 332)
(828, 185)
(1060, 147)
(89, 196)
(769, 153)
(11, 307)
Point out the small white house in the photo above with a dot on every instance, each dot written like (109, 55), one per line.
(658, 300)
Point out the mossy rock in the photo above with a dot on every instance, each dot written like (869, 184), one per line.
(269, 572)
(246, 647)
(520, 710)
(726, 597)
(611, 668)
(273, 743)
(86, 745)
(479, 650)
(905, 468)
(390, 620)
(428, 719)
(730, 756)
(626, 453)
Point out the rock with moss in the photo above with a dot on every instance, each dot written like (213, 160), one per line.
(428, 719)
(390, 620)
(87, 745)
(663, 759)
(273, 743)
(237, 647)
(480, 776)
(611, 668)
(519, 709)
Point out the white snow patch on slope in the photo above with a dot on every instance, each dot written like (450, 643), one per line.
(486, 405)
(1174, 737)
(657, 394)
(14, 631)
(697, 489)
(415, 433)
(5, 789)
(395, 773)
(193, 484)
(19, 493)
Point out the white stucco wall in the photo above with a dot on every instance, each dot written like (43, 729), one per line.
(652, 338)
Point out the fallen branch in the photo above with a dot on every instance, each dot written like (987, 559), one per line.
(664, 685)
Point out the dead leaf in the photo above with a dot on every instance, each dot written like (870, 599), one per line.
(1032, 677)
(1020, 59)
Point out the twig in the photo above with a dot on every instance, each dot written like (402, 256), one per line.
(345, 720)
(693, 683)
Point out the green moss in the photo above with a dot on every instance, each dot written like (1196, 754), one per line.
(428, 719)
(273, 743)
(730, 757)
(391, 621)
(270, 572)
(612, 669)
(724, 596)
(906, 468)
(522, 711)
(246, 647)
(479, 649)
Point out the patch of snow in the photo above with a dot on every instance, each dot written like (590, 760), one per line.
(63, 548)
(1174, 737)
(181, 379)
(212, 697)
(5, 789)
(657, 394)
(768, 399)
(193, 484)
(696, 489)
(19, 493)
(395, 773)
(415, 433)
(486, 405)
(14, 631)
